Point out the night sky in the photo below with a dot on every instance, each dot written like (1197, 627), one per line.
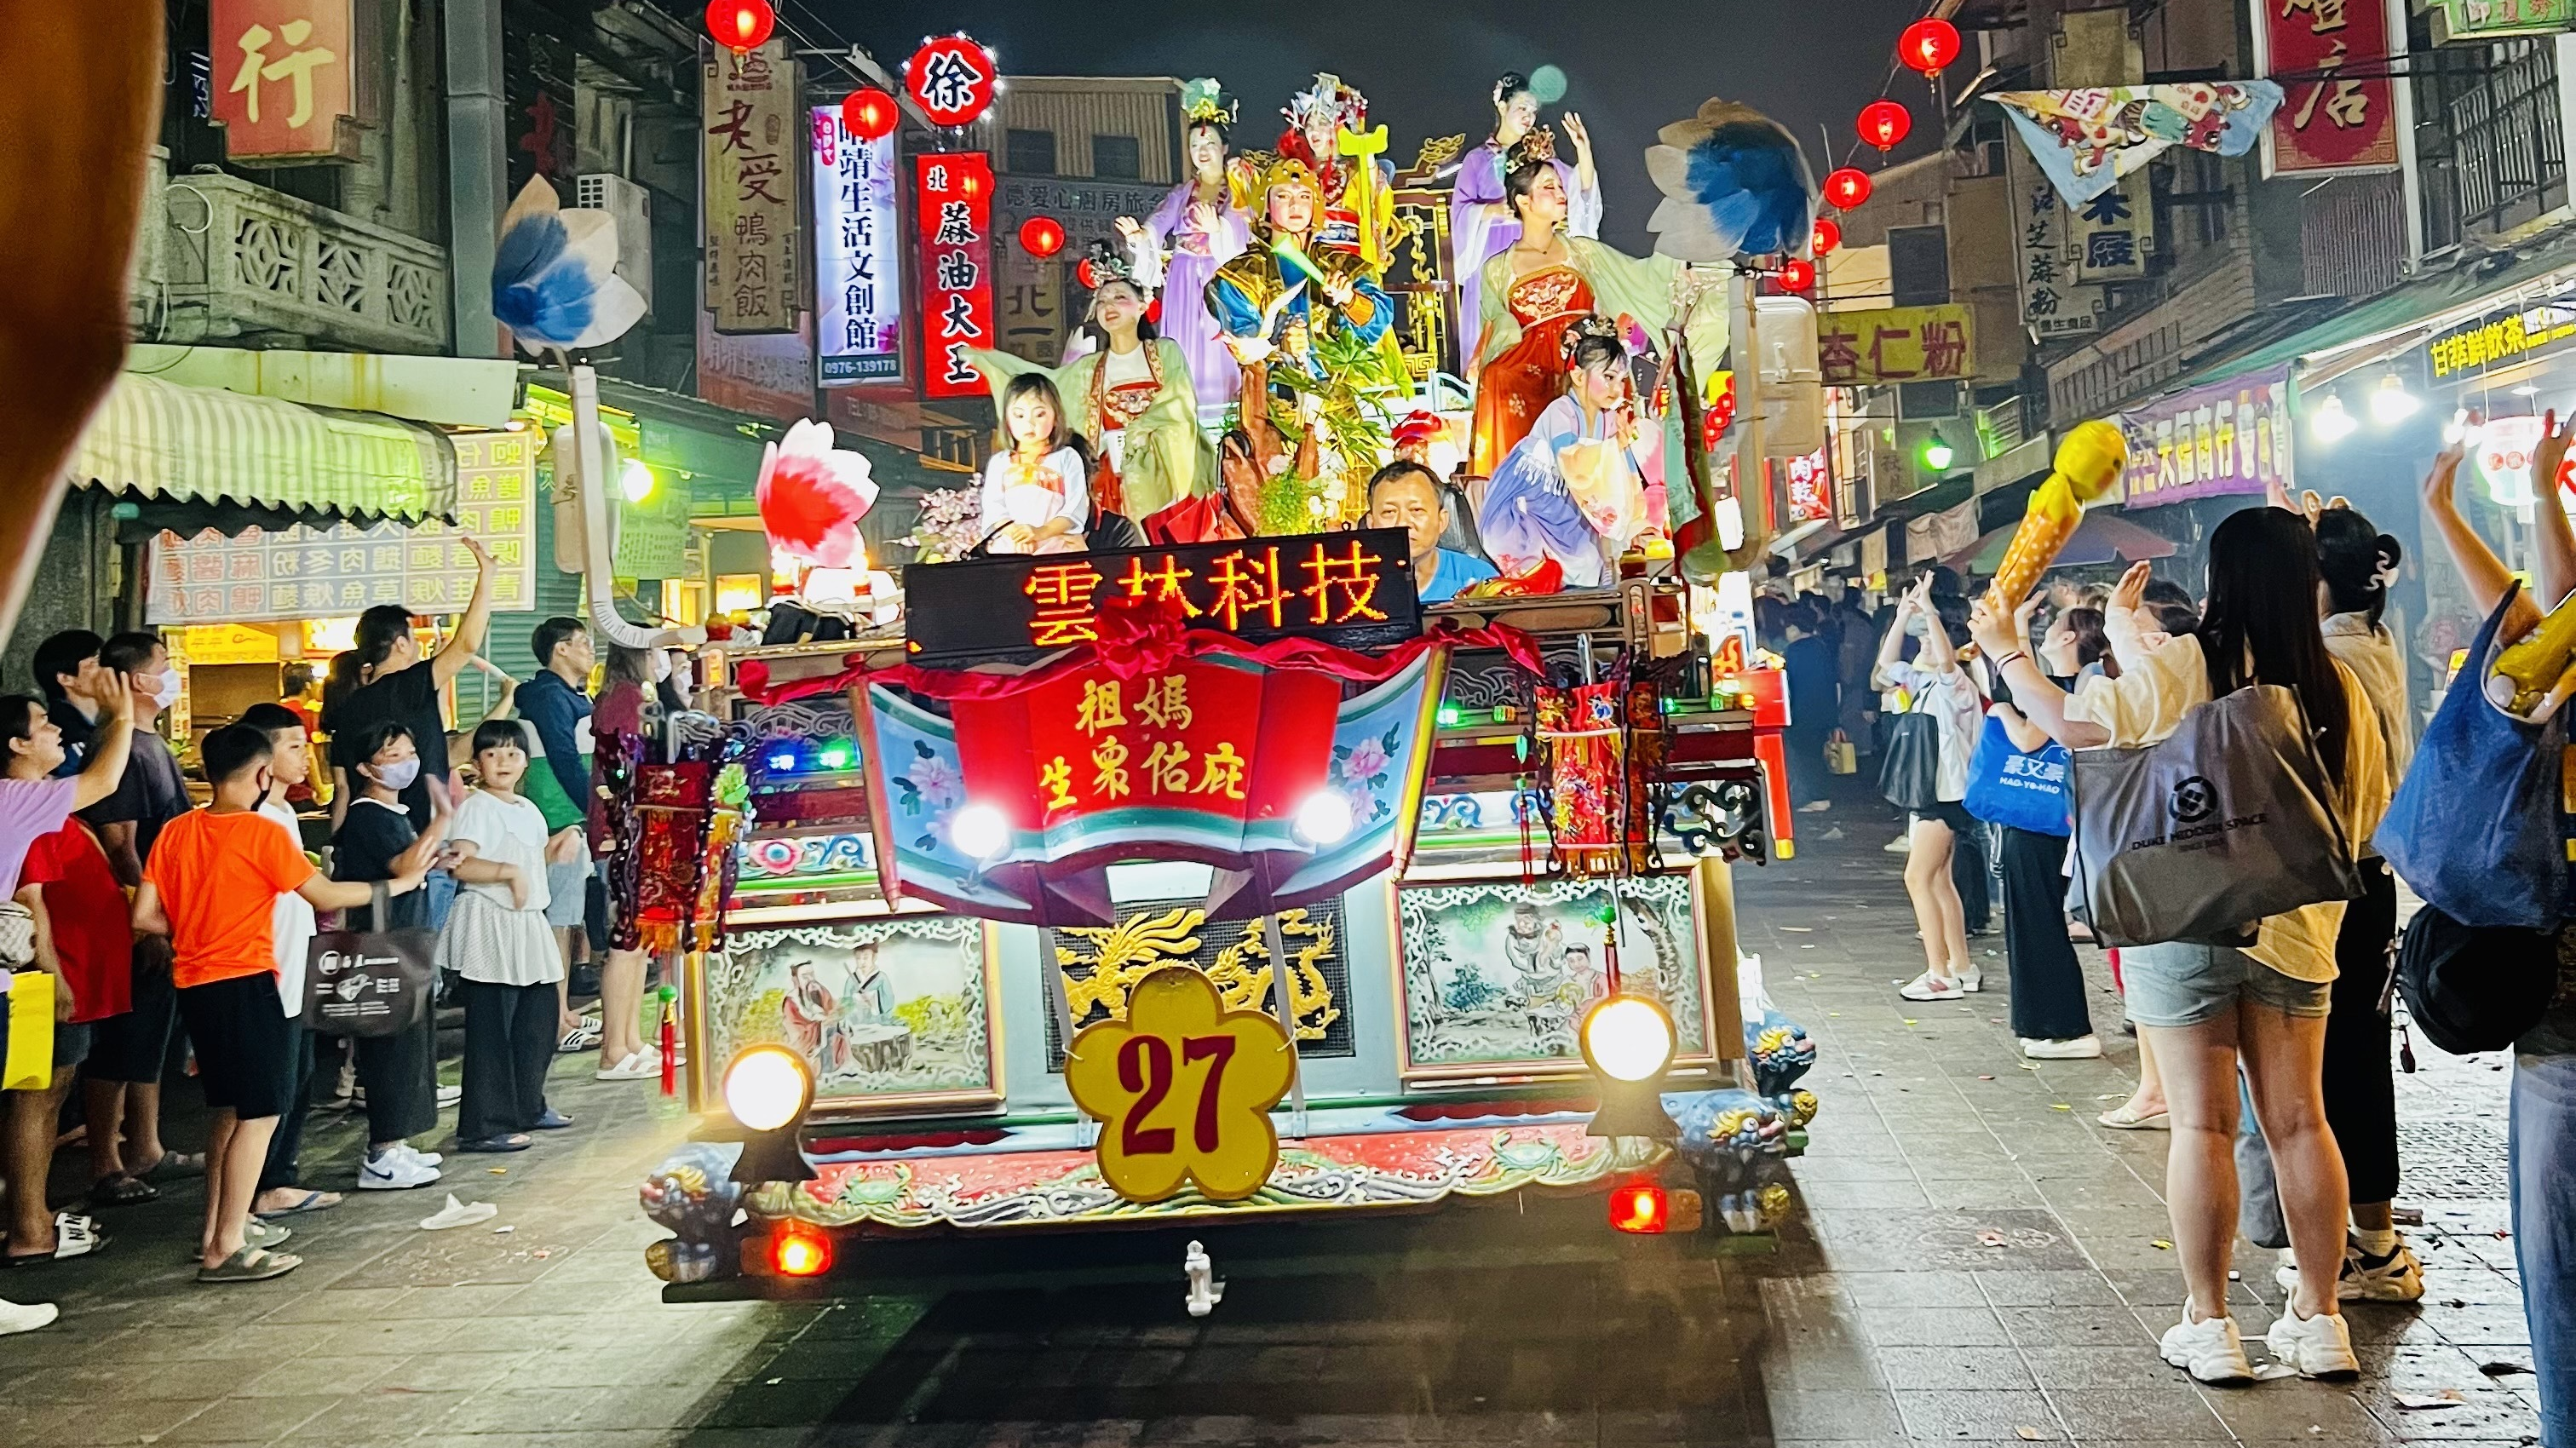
(1427, 69)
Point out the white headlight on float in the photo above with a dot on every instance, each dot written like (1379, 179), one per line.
(1325, 817)
(979, 832)
(1627, 1038)
(767, 1088)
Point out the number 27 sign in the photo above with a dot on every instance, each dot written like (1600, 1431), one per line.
(1183, 1089)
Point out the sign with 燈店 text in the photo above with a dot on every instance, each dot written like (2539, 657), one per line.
(1897, 344)
(755, 141)
(283, 82)
(858, 281)
(1352, 589)
(2339, 107)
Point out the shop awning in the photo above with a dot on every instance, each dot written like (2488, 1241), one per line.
(156, 439)
(2100, 538)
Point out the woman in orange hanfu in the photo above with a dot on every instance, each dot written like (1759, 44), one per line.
(1538, 287)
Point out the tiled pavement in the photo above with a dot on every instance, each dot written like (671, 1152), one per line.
(1977, 1263)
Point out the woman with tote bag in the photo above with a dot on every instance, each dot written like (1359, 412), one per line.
(2207, 1007)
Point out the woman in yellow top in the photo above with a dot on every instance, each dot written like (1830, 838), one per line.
(2203, 1008)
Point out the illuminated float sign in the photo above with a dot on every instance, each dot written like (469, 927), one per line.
(1355, 590)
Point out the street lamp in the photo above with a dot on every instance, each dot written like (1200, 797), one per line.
(1937, 453)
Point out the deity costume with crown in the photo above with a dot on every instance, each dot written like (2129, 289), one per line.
(1356, 201)
(1520, 362)
(1140, 414)
(1482, 225)
(1182, 244)
(1578, 490)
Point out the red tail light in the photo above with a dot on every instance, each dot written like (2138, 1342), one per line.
(1642, 1208)
(804, 1254)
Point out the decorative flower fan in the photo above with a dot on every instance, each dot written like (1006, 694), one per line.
(554, 276)
(1734, 183)
(812, 496)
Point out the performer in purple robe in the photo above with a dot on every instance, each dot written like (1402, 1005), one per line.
(1481, 223)
(1199, 227)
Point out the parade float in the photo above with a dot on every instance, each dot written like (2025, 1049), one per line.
(1294, 866)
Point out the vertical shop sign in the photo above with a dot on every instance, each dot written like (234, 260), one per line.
(283, 82)
(2115, 232)
(1811, 488)
(2055, 302)
(858, 282)
(752, 134)
(955, 207)
(538, 96)
(2339, 108)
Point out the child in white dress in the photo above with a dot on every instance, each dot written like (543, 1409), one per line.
(1037, 496)
(498, 941)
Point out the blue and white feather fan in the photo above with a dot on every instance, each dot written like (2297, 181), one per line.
(1735, 183)
(554, 275)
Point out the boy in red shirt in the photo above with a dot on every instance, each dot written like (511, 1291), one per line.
(212, 885)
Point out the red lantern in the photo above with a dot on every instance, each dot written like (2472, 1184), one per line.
(868, 114)
(1083, 273)
(1883, 123)
(1797, 274)
(741, 26)
(1042, 236)
(1929, 45)
(1847, 188)
(1828, 235)
(951, 79)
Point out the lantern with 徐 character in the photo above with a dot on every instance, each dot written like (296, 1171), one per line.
(1929, 45)
(1846, 188)
(1042, 236)
(1883, 123)
(868, 114)
(741, 26)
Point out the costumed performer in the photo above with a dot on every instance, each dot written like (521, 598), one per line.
(1130, 398)
(1352, 196)
(1035, 497)
(1265, 298)
(1537, 288)
(1481, 220)
(1199, 227)
(1403, 494)
(1586, 483)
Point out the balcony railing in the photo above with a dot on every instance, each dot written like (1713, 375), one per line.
(241, 259)
(2488, 141)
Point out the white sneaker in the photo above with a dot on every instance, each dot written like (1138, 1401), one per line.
(1930, 987)
(25, 1316)
(2397, 1277)
(1970, 979)
(641, 1066)
(395, 1169)
(2079, 1048)
(2210, 1350)
(2318, 1347)
(450, 1095)
(1899, 846)
(425, 1158)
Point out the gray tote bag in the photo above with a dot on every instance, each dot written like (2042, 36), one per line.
(2230, 820)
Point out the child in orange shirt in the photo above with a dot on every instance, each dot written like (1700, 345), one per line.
(212, 885)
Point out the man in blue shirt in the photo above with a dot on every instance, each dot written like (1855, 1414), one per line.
(1404, 494)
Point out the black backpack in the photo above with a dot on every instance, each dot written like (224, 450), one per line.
(2475, 988)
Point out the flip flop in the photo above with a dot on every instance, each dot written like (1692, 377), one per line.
(314, 1201)
(553, 1120)
(251, 1264)
(74, 1236)
(122, 1191)
(515, 1141)
(2121, 1118)
(172, 1166)
(577, 1040)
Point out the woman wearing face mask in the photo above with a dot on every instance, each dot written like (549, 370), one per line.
(377, 841)
(1587, 483)
(2206, 1009)
(378, 680)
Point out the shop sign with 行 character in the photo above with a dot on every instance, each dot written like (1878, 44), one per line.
(1356, 590)
(2230, 437)
(858, 279)
(284, 87)
(1897, 344)
(2339, 110)
(753, 134)
(2475, 22)
(955, 205)
(302, 571)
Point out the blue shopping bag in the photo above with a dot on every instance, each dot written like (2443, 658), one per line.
(2474, 827)
(2009, 787)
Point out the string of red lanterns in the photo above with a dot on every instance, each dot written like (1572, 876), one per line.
(1927, 46)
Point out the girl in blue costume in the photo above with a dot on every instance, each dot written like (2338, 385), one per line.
(1587, 481)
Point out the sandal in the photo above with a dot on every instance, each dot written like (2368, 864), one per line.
(74, 1236)
(580, 1038)
(122, 1191)
(251, 1264)
(515, 1141)
(314, 1201)
(2124, 1117)
(172, 1166)
(553, 1120)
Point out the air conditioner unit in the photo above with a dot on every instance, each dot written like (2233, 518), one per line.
(632, 205)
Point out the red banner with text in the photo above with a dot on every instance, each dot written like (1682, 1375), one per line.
(2339, 109)
(955, 207)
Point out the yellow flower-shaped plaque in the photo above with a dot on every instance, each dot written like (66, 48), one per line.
(1183, 1089)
